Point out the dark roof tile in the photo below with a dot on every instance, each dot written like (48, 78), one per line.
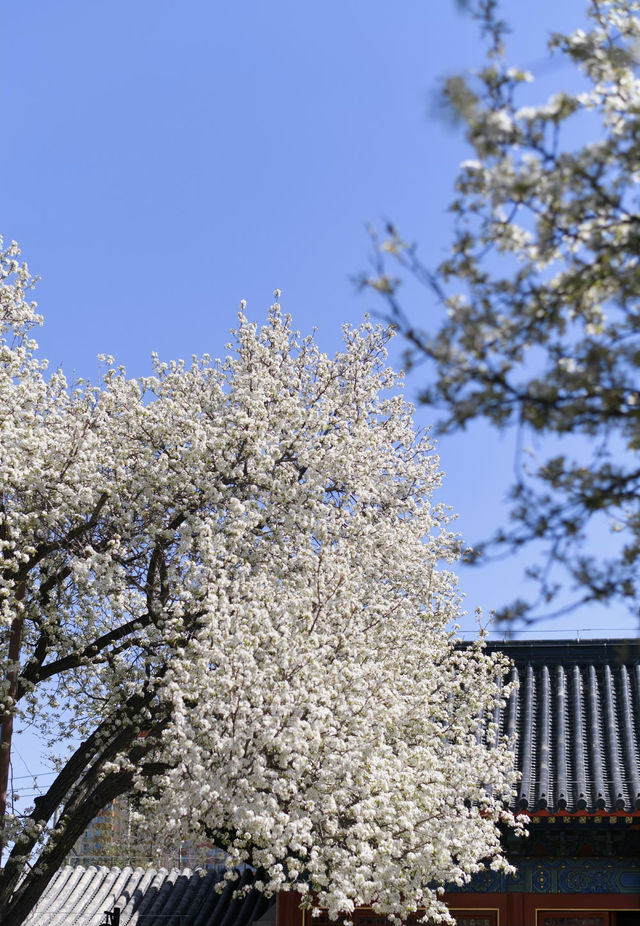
(147, 897)
(575, 723)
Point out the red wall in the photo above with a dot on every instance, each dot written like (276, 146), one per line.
(510, 909)
(523, 909)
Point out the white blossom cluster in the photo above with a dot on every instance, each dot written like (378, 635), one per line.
(226, 580)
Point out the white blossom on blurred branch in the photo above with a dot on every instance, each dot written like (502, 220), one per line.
(541, 322)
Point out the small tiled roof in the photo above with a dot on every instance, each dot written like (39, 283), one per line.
(575, 723)
(146, 897)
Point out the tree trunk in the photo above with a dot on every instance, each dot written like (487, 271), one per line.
(6, 733)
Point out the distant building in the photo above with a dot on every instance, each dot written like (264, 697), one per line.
(113, 838)
(108, 838)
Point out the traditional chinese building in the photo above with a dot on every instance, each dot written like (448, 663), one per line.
(575, 725)
(574, 722)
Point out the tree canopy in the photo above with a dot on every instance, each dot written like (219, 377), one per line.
(224, 585)
(541, 328)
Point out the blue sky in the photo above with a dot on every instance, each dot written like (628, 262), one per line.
(165, 159)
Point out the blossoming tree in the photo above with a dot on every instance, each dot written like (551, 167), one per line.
(541, 294)
(222, 584)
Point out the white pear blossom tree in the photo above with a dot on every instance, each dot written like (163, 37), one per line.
(223, 584)
(541, 329)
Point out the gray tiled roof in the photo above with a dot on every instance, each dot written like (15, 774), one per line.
(575, 720)
(146, 897)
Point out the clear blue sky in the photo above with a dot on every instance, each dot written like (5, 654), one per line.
(164, 159)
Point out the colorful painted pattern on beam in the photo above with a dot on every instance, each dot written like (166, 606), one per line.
(561, 876)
